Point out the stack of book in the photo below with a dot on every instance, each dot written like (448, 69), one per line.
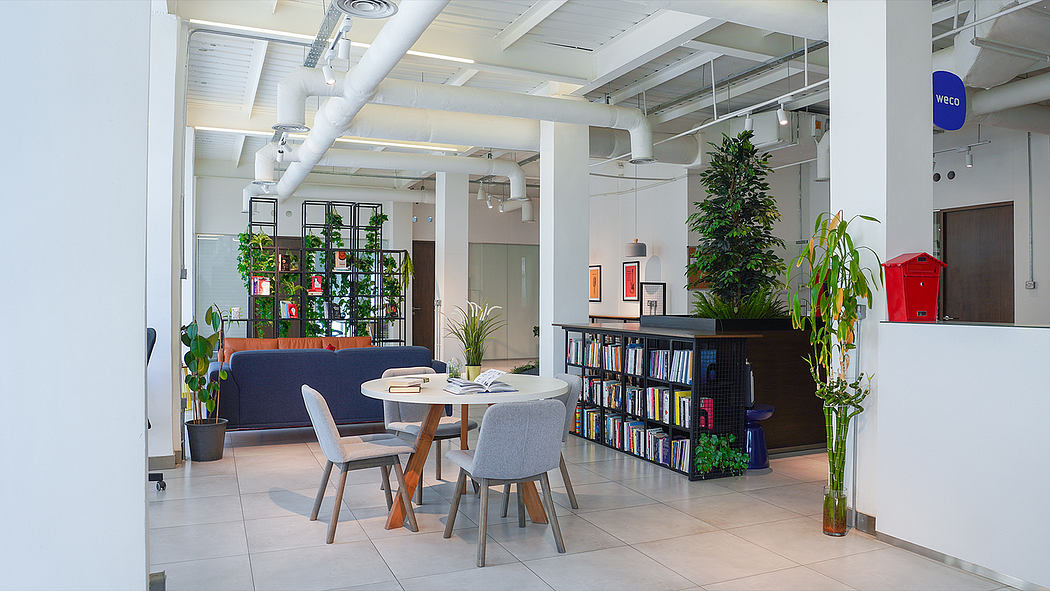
(612, 431)
(612, 394)
(633, 439)
(589, 423)
(574, 352)
(680, 455)
(657, 446)
(658, 404)
(592, 391)
(682, 401)
(635, 358)
(658, 364)
(592, 353)
(611, 357)
(681, 369)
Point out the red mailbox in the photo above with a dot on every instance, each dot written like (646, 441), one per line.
(912, 284)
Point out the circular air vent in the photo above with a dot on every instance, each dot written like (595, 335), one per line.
(367, 8)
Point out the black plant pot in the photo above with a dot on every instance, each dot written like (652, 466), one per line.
(206, 439)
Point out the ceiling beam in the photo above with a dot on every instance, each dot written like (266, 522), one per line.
(238, 150)
(811, 99)
(818, 62)
(946, 10)
(663, 75)
(703, 102)
(527, 21)
(255, 68)
(462, 76)
(661, 32)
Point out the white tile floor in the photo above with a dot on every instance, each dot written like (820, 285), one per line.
(241, 523)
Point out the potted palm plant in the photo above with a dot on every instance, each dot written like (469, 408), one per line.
(206, 431)
(837, 283)
(475, 324)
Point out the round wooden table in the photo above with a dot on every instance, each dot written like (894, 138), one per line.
(433, 394)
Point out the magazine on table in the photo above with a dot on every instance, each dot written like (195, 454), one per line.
(487, 382)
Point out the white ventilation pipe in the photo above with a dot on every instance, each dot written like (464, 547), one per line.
(442, 127)
(1033, 118)
(798, 18)
(525, 205)
(294, 89)
(1010, 95)
(390, 45)
(609, 143)
(341, 193)
(493, 102)
(403, 161)
(824, 157)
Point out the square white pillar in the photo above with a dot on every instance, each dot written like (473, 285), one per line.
(881, 154)
(564, 219)
(401, 239)
(450, 258)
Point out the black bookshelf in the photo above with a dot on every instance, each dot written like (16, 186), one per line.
(718, 373)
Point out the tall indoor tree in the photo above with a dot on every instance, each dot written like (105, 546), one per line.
(736, 256)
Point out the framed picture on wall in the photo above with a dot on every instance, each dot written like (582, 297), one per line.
(653, 298)
(594, 282)
(630, 281)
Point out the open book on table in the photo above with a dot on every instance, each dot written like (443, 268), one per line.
(487, 382)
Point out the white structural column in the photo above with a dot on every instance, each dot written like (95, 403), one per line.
(450, 258)
(72, 368)
(163, 259)
(564, 218)
(401, 239)
(881, 156)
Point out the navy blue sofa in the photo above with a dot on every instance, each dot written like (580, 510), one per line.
(263, 388)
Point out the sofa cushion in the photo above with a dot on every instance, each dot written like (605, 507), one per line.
(270, 384)
(346, 342)
(299, 343)
(233, 345)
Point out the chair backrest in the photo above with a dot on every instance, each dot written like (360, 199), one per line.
(324, 425)
(519, 439)
(569, 399)
(406, 412)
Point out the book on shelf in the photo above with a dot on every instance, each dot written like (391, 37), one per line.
(708, 358)
(680, 454)
(316, 285)
(708, 406)
(342, 261)
(681, 366)
(632, 437)
(260, 286)
(487, 382)
(611, 357)
(658, 364)
(634, 358)
(611, 394)
(289, 309)
(682, 399)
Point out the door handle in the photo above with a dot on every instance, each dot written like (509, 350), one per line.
(947, 317)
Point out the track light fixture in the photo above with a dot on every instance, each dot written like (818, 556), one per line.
(488, 201)
(969, 159)
(328, 71)
(749, 123)
(782, 116)
(481, 191)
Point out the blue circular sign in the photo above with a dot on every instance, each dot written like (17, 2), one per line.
(949, 101)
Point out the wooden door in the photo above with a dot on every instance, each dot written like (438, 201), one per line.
(423, 294)
(978, 246)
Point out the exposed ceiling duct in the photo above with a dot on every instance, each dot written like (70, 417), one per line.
(1033, 118)
(525, 205)
(997, 51)
(401, 161)
(390, 45)
(1010, 95)
(800, 18)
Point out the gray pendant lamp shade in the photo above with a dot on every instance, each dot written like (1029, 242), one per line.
(634, 249)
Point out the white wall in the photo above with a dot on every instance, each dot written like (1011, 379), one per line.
(962, 443)
(72, 371)
(1000, 173)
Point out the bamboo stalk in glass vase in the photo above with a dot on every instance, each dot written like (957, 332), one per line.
(835, 281)
(475, 324)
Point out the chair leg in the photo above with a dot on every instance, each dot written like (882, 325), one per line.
(320, 490)
(385, 470)
(461, 484)
(568, 483)
(343, 469)
(437, 460)
(521, 507)
(419, 489)
(551, 514)
(506, 500)
(406, 497)
(483, 522)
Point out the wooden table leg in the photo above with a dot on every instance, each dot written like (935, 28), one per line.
(532, 502)
(414, 467)
(464, 415)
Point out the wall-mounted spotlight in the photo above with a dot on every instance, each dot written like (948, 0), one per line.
(488, 201)
(969, 159)
(749, 123)
(782, 116)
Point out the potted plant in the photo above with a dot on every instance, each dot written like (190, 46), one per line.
(735, 255)
(837, 281)
(206, 431)
(714, 456)
(475, 324)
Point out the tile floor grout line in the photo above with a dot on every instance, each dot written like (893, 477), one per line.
(247, 545)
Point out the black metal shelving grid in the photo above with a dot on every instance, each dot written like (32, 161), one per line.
(261, 226)
(722, 380)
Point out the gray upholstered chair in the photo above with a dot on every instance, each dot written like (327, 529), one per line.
(519, 442)
(405, 418)
(569, 399)
(354, 453)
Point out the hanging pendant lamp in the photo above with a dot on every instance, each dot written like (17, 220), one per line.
(635, 249)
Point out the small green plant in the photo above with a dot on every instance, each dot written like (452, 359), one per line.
(454, 368)
(475, 324)
(735, 254)
(527, 366)
(714, 454)
(764, 303)
(201, 349)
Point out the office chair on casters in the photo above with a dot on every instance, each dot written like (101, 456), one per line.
(151, 339)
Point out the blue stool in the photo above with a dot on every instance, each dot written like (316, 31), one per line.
(755, 437)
